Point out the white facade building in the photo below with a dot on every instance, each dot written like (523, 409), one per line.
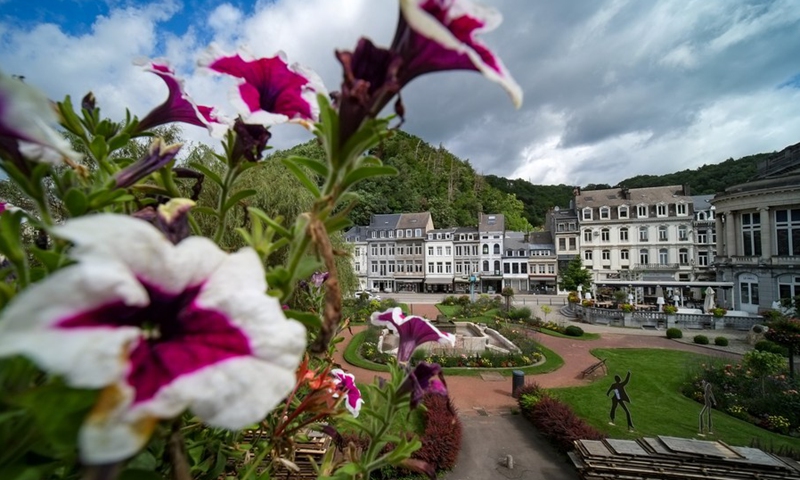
(439, 261)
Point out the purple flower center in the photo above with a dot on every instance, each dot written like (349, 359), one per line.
(178, 337)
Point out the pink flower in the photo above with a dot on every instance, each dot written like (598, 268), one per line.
(346, 383)
(269, 91)
(179, 107)
(412, 330)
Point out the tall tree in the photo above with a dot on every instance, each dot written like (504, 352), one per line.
(574, 275)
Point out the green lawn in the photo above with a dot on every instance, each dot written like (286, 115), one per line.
(450, 311)
(585, 336)
(554, 361)
(657, 407)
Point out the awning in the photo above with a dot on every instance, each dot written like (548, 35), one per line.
(462, 280)
(438, 281)
(408, 280)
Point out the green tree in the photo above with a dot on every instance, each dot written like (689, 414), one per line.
(546, 309)
(786, 331)
(508, 294)
(575, 275)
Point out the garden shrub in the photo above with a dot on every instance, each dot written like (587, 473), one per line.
(441, 440)
(674, 333)
(556, 421)
(771, 347)
(449, 300)
(463, 300)
(528, 396)
(573, 331)
(670, 309)
(701, 340)
(721, 341)
(521, 313)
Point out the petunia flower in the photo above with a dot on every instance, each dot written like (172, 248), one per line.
(318, 278)
(269, 91)
(161, 328)
(179, 107)
(412, 330)
(171, 218)
(158, 155)
(431, 36)
(26, 116)
(251, 140)
(346, 383)
(425, 378)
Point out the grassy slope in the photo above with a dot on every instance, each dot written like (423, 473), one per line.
(657, 407)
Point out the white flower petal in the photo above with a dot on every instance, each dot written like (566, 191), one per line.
(88, 357)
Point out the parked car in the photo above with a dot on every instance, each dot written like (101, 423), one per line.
(367, 294)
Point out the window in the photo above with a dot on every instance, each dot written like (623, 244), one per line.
(751, 234)
(383, 249)
(605, 213)
(383, 234)
(448, 267)
(683, 256)
(644, 257)
(788, 286)
(417, 251)
(587, 255)
(562, 243)
(497, 249)
(623, 234)
(551, 268)
(391, 233)
(485, 249)
(399, 234)
(417, 232)
(430, 267)
(787, 230)
(523, 268)
(506, 267)
(391, 264)
(541, 268)
(605, 235)
(606, 255)
(357, 251)
(662, 233)
(661, 210)
(373, 266)
(643, 234)
(587, 213)
(509, 253)
(663, 256)
(475, 251)
(587, 235)
(571, 226)
(497, 266)
(485, 265)
(373, 234)
(573, 243)
(358, 266)
(624, 255)
(641, 211)
(681, 209)
(458, 250)
(748, 289)
(430, 251)
(622, 212)
(439, 267)
(561, 227)
(438, 236)
(438, 251)
(448, 251)
(702, 237)
(408, 232)
(374, 250)
(702, 259)
(683, 233)
(515, 267)
(521, 252)
(391, 249)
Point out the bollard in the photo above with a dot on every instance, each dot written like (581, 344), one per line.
(517, 381)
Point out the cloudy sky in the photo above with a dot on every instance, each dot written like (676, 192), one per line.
(613, 88)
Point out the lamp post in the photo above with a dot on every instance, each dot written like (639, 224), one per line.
(472, 280)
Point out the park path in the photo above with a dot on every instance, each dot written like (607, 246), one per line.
(476, 396)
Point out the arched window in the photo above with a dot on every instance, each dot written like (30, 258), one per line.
(663, 256)
(497, 249)
(486, 265)
(496, 265)
(486, 250)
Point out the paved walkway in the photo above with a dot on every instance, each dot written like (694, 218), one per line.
(476, 396)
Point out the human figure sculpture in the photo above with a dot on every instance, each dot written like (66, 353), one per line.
(708, 402)
(619, 397)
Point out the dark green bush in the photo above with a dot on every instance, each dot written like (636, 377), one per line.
(771, 347)
(674, 333)
(463, 300)
(521, 313)
(573, 331)
(701, 339)
(449, 300)
(721, 342)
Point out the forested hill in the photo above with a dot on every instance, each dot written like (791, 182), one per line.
(537, 199)
(430, 179)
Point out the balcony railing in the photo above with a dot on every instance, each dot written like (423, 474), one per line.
(747, 260)
(656, 266)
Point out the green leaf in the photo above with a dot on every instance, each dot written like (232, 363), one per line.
(306, 267)
(368, 135)
(301, 175)
(205, 211)
(49, 258)
(335, 224)
(279, 229)
(76, 202)
(99, 147)
(210, 174)
(238, 197)
(315, 166)
(118, 141)
(69, 119)
(310, 320)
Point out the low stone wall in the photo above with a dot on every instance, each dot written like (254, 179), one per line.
(607, 316)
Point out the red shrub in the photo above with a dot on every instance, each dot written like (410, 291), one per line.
(441, 440)
(558, 422)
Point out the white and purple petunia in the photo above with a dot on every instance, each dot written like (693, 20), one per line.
(425, 378)
(270, 91)
(160, 327)
(26, 119)
(412, 330)
(158, 155)
(436, 35)
(346, 383)
(179, 107)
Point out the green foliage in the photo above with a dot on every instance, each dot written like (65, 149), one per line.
(763, 363)
(670, 309)
(674, 333)
(573, 331)
(537, 199)
(721, 341)
(772, 347)
(574, 275)
(700, 340)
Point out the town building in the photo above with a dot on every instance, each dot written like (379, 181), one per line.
(466, 257)
(491, 229)
(758, 235)
(439, 259)
(543, 263)
(515, 262)
(563, 226)
(412, 230)
(357, 236)
(381, 252)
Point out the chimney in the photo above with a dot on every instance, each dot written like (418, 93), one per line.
(686, 189)
(576, 191)
(626, 193)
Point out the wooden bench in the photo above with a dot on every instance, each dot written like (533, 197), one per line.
(591, 369)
